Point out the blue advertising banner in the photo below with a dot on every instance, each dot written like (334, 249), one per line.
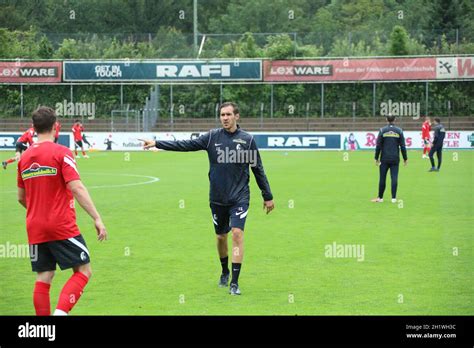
(163, 71)
(8, 140)
(287, 141)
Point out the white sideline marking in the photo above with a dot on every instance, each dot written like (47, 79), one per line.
(151, 180)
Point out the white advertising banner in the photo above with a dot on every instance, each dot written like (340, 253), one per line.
(367, 140)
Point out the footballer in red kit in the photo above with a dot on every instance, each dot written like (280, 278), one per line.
(77, 130)
(21, 145)
(57, 128)
(48, 183)
(425, 135)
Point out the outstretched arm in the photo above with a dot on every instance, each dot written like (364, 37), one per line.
(200, 143)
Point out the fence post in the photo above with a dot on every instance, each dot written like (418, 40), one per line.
(374, 99)
(322, 100)
(271, 100)
(22, 112)
(426, 98)
(171, 108)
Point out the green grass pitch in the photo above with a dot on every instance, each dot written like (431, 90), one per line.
(161, 258)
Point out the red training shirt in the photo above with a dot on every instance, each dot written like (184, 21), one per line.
(425, 130)
(57, 127)
(77, 131)
(27, 137)
(43, 171)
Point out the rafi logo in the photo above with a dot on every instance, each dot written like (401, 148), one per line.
(36, 170)
(193, 70)
(8, 141)
(297, 141)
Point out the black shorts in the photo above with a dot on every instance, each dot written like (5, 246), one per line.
(426, 142)
(79, 143)
(67, 253)
(226, 217)
(20, 147)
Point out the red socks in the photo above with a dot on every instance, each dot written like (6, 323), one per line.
(11, 160)
(72, 291)
(41, 298)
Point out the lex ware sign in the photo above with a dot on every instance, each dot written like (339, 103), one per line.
(30, 72)
(163, 71)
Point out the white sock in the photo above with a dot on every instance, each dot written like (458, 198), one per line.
(59, 312)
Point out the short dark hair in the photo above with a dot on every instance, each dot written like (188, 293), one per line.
(438, 120)
(44, 119)
(390, 119)
(226, 104)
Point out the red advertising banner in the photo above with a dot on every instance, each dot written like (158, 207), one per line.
(350, 70)
(30, 72)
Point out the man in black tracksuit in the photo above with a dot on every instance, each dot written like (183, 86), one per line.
(389, 143)
(230, 151)
(437, 146)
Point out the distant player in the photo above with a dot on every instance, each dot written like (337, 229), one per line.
(84, 139)
(425, 135)
(229, 184)
(77, 130)
(57, 128)
(437, 146)
(48, 182)
(21, 145)
(389, 143)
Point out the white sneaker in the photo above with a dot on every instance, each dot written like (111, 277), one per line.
(394, 200)
(86, 156)
(377, 200)
(424, 156)
(78, 156)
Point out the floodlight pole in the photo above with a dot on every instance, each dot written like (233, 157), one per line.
(195, 25)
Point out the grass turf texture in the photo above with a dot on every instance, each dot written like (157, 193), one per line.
(161, 258)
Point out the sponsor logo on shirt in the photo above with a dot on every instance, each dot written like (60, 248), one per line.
(36, 170)
(391, 134)
(241, 141)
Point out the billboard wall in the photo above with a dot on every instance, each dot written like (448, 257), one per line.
(30, 72)
(367, 140)
(363, 69)
(163, 71)
(346, 141)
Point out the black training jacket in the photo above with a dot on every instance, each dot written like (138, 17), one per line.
(230, 155)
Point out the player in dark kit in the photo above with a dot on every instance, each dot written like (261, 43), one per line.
(230, 151)
(437, 146)
(48, 182)
(389, 143)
